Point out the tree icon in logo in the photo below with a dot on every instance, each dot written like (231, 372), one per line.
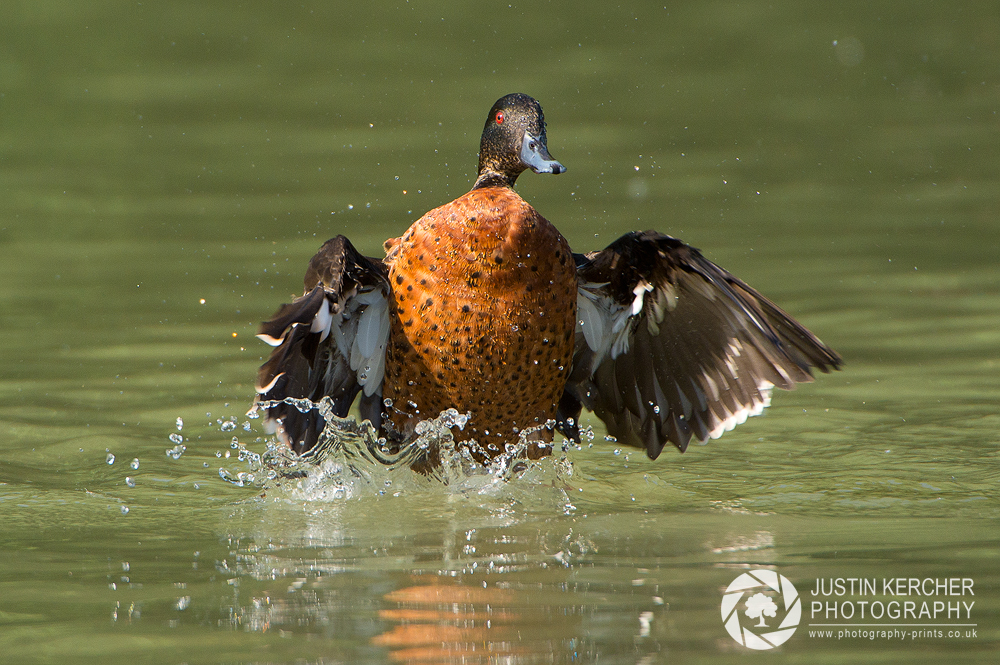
(758, 605)
(753, 587)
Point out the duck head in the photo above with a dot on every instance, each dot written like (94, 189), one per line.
(513, 141)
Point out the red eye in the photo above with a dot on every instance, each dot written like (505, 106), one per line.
(499, 117)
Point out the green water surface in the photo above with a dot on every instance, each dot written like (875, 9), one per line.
(167, 169)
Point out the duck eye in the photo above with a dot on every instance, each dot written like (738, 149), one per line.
(499, 117)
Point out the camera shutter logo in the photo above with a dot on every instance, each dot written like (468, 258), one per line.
(759, 627)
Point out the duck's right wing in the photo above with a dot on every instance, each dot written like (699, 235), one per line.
(329, 342)
(670, 347)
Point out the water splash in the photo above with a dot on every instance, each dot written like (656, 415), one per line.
(352, 461)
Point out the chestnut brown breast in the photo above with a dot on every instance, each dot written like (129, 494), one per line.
(485, 309)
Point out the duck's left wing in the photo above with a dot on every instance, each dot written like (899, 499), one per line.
(330, 342)
(671, 347)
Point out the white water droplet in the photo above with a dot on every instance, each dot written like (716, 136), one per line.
(176, 451)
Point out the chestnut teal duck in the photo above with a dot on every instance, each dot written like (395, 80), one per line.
(482, 306)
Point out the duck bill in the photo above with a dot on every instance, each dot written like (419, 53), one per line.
(535, 155)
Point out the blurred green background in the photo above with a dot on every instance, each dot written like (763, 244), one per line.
(167, 169)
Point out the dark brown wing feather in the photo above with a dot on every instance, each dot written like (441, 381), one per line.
(695, 350)
(309, 361)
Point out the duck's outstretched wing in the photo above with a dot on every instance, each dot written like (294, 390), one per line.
(671, 347)
(329, 342)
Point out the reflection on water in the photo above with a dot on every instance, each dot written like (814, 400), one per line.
(487, 583)
(440, 623)
(459, 582)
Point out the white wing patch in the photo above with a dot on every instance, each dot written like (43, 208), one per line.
(640, 290)
(370, 340)
(322, 321)
(755, 408)
(604, 322)
(265, 389)
(270, 341)
(741, 415)
(589, 319)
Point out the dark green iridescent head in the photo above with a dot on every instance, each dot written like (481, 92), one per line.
(514, 140)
